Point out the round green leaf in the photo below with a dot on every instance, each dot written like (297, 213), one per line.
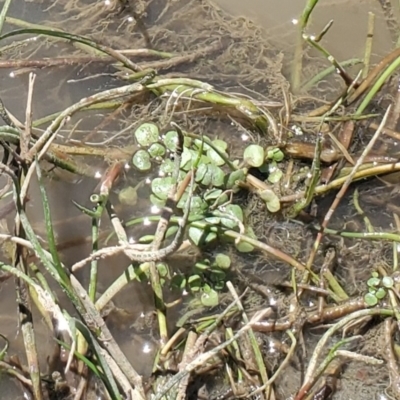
(161, 187)
(197, 205)
(196, 235)
(235, 211)
(147, 134)
(162, 269)
(380, 293)
(210, 299)
(275, 175)
(214, 156)
(271, 200)
(128, 196)
(171, 140)
(218, 176)
(167, 167)
(194, 282)
(254, 155)
(370, 299)
(146, 239)
(156, 201)
(221, 144)
(223, 261)
(202, 266)
(233, 177)
(212, 194)
(387, 281)
(274, 205)
(243, 246)
(275, 154)
(178, 281)
(201, 172)
(141, 160)
(373, 282)
(156, 150)
(199, 236)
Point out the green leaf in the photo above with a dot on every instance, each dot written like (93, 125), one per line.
(387, 281)
(214, 156)
(218, 176)
(233, 177)
(194, 283)
(167, 167)
(243, 246)
(171, 140)
(380, 293)
(221, 144)
(171, 231)
(197, 205)
(202, 266)
(212, 194)
(162, 269)
(201, 172)
(156, 150)
(223, 261)
(271, 200)
(147, 134)
(199, 236)
(161, 187)
(178, 281)
(230, 209)
(146, 239)
(156, 201)
(141, 160)
(370, 299)
(210, 299)
(254, 155)
(275, 174)
(373, 282)
(275, 154)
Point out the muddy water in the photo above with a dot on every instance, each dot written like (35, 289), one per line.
(346, 38)
(55, 91)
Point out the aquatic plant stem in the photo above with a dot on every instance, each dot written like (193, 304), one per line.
(377, 85)
(253, 341)
(368, 44)
(3, 13)
(327, 335)
(297, 63)
(343, 190)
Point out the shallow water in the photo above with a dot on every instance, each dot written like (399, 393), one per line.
(56, 90)
(345, 39)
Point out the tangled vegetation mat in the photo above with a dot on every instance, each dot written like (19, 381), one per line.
(181, 220)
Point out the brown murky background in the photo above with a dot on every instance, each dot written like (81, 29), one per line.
(345, 40)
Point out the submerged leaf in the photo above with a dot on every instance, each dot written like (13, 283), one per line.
(128, 196)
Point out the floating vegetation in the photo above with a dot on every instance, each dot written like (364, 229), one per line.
(251, 225)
